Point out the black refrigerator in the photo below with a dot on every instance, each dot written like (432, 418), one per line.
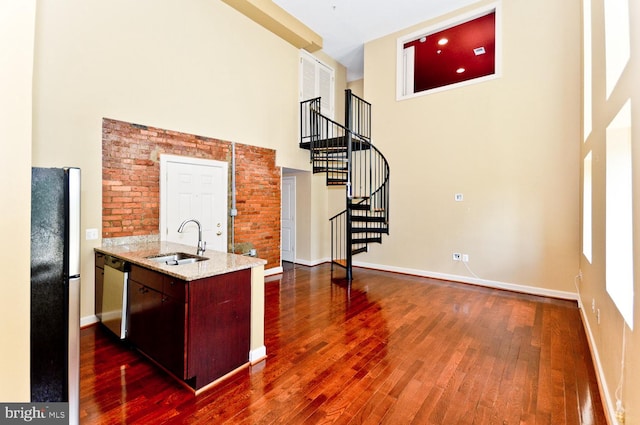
(55, 287)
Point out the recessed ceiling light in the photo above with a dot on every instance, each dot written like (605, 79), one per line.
(479, 51)
(443, 41)
(423, 39)
(460, 70)
(439, 51)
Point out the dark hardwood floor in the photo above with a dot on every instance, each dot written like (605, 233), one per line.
(391, 349)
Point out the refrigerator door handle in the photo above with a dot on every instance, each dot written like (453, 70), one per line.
(74, 351)
(74, 221)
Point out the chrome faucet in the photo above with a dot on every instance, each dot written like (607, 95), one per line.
(202, 245)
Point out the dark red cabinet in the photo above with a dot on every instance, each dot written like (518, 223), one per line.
(219, 325)
(145, 306)
(197, 330)
(157, 317)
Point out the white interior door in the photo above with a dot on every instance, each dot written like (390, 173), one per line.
(193, 188)
(288, 217)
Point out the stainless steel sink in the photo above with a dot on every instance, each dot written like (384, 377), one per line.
(176, 258)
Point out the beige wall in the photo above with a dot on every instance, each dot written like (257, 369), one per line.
(357, 87)
(607, 338)
(198, 67)
(509, 145)
(17, 20)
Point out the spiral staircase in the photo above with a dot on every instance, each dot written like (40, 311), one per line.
(347, 157)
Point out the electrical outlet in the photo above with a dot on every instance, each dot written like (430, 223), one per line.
(457, 256)
(465, 258)
(459, 197)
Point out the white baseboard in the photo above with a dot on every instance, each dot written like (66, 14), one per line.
(272, 271)
(257, 354)
(88, 320)
(312, 263)
(610, 409)
(532, 290)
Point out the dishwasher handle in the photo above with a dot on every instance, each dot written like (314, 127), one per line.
(116, 263)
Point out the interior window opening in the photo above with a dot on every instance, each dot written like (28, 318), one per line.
(449, 55)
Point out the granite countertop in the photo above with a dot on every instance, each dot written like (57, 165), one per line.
(217, 263)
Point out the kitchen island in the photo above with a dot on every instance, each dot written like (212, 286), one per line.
(199, 321)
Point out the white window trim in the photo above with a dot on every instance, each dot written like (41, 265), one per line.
(401, 63)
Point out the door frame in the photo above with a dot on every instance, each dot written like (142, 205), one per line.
(295, 221)
(164, 160)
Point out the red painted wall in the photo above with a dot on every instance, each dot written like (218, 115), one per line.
(131, 189)
(435, 65)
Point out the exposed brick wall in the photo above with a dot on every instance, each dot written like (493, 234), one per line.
(258, 199)
(131, 188)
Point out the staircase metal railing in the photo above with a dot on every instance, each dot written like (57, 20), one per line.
(309, 112)
(347, 157)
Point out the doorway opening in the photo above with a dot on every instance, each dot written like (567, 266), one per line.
(295, 216)
(288, 218)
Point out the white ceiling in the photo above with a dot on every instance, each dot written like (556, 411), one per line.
(345, 25)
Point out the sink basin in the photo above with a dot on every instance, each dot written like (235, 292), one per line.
(176, 258)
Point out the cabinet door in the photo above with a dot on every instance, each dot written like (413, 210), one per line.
(170, 350)
(233, 319)
(219, 325)
(144, 312)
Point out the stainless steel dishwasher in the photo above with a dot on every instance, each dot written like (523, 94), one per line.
(114, 295)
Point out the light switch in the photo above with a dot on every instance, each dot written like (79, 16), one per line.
(91, 234)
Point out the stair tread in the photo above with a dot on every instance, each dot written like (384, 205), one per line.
(330, 169)
(366, 240)
(368, 230)
(341, 262)
(336, 144)
(364, 218)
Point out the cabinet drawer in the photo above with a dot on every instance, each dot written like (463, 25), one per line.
(147, 277)
(175, 288)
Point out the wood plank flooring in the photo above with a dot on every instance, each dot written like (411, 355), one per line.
(391, 349)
